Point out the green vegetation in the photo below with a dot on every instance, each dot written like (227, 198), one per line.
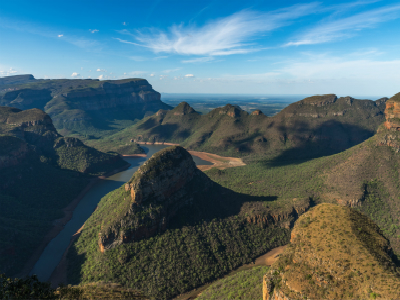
(41, 173)
(30, 288)
(336, 253)
(176, 261)
(302, 130)
(32, 196)
(244, 285)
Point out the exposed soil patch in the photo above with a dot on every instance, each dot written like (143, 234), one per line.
(219, 162)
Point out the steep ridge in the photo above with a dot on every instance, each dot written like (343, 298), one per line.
(315, 126)
(41, 172)
(85, 107)
(171, 229)
(334, 253)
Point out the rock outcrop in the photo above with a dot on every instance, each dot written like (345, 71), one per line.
(334, 253)
(168, 181)
(389, 135)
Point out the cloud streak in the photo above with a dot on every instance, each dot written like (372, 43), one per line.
(346, 27)
(226, 36)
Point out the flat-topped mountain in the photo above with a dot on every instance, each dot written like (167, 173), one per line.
(334, 253)
(41, 172)
(84, 107)
(315, 126)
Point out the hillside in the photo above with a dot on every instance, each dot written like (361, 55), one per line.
(364, 177)
(334, 253)
(84, 107)
(171, 229)
(312, 127)
(41, 172)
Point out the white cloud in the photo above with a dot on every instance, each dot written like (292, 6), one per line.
(124, 23)
(189, 76)
(8, 72)
(198, 60)
(60, 35)
(125, 73)
(81, 68)
(151, 75)
(89, 77)
(100, 70)
(346, 27)
(224, 36)
(93, 30)
(101, 77)
(75, 74)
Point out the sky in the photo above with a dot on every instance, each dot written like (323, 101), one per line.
(209, 46)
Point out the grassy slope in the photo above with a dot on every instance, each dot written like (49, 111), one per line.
(244, 285)
(336, 253)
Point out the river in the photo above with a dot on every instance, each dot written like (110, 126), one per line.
(54, 251)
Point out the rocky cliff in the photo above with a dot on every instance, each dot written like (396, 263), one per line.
(315, 126)
(334, 253)
(32, 132)
(86, 107)
(168, 181)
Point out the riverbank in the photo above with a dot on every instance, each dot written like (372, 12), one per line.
(59, 224)
(156, 143)
(219, 162)
(266, 259)
(134, 155)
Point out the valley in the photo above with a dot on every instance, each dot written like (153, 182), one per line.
(206, 194)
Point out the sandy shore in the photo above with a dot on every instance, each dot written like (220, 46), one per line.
(156, 143)
(219, 162)
(266, 259)
(134, 155)
(60, 223)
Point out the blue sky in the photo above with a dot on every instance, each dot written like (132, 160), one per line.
(260, 47)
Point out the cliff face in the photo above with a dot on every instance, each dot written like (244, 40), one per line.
(389, 134)
(334, 253)
(86, 106)
(168, 181)
(32, 132)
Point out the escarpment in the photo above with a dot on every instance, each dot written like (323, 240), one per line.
(315, 126)
(334, 253)
(168, 181)
(85, 106)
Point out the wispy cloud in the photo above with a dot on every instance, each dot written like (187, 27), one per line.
(198, 60)
(346, 27)
(33, 28)
(93, 30)
(8, 72)
(101, 70)
(226, 36)
(75, 74)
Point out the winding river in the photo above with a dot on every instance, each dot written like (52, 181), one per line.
(54, 251)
